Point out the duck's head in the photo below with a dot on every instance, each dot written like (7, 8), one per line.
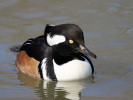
(66, 39)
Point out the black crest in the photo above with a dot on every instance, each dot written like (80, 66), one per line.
(47, 30)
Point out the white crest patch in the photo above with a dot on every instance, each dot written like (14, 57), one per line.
(56, 39)
(51, 25)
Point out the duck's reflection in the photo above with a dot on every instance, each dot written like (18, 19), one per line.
(55, 90)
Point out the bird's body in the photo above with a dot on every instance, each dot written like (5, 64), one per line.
(58, 55)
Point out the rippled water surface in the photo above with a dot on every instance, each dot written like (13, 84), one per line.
(108, 30)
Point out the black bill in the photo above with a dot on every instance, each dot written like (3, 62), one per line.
(86, 52)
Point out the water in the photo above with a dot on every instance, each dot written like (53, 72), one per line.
(108, 30)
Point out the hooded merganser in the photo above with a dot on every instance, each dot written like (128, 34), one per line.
(58, 55)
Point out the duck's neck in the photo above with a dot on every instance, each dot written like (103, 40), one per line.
(59, 59)
(64, 58)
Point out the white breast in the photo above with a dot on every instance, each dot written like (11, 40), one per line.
(73, 70)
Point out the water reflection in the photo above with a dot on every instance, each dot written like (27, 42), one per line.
(55, 90)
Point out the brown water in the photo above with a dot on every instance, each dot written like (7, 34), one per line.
(108, 30)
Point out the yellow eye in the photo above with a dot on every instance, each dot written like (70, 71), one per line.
(71, 41)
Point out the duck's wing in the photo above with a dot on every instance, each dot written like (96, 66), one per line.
(31, 53)
(35, 47)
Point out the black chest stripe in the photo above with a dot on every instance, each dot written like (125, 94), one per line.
(92, 67)
(50, 69)
(40, 70)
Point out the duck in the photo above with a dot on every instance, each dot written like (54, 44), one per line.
(59, 54)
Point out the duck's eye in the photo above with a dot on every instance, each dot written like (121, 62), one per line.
(71, 41)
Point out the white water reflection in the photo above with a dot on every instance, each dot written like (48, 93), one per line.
(56, 90)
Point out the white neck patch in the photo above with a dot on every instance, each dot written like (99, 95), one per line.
(56, 39)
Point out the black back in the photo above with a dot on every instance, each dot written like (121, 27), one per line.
(35, 47)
